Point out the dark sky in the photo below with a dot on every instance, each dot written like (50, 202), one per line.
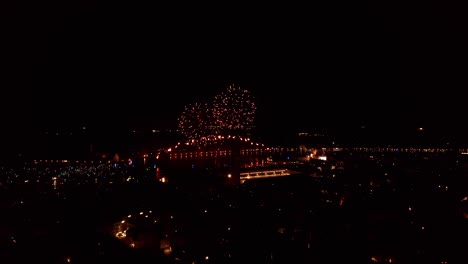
(341, 63)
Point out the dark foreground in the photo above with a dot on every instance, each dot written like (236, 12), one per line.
(368, 214)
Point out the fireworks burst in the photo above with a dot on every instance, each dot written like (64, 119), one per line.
(195, 121)
(234, 110)
(230, 113)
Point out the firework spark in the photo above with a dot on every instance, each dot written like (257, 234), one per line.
(230, 113)
(234, 111)
(195, 120)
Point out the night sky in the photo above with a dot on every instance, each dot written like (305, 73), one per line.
(121, 65)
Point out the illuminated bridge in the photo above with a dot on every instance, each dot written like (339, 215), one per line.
(267, 173)
(221, 152)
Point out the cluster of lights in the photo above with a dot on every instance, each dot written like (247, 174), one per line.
(234, 110)
(231, 112)
(196, 120)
